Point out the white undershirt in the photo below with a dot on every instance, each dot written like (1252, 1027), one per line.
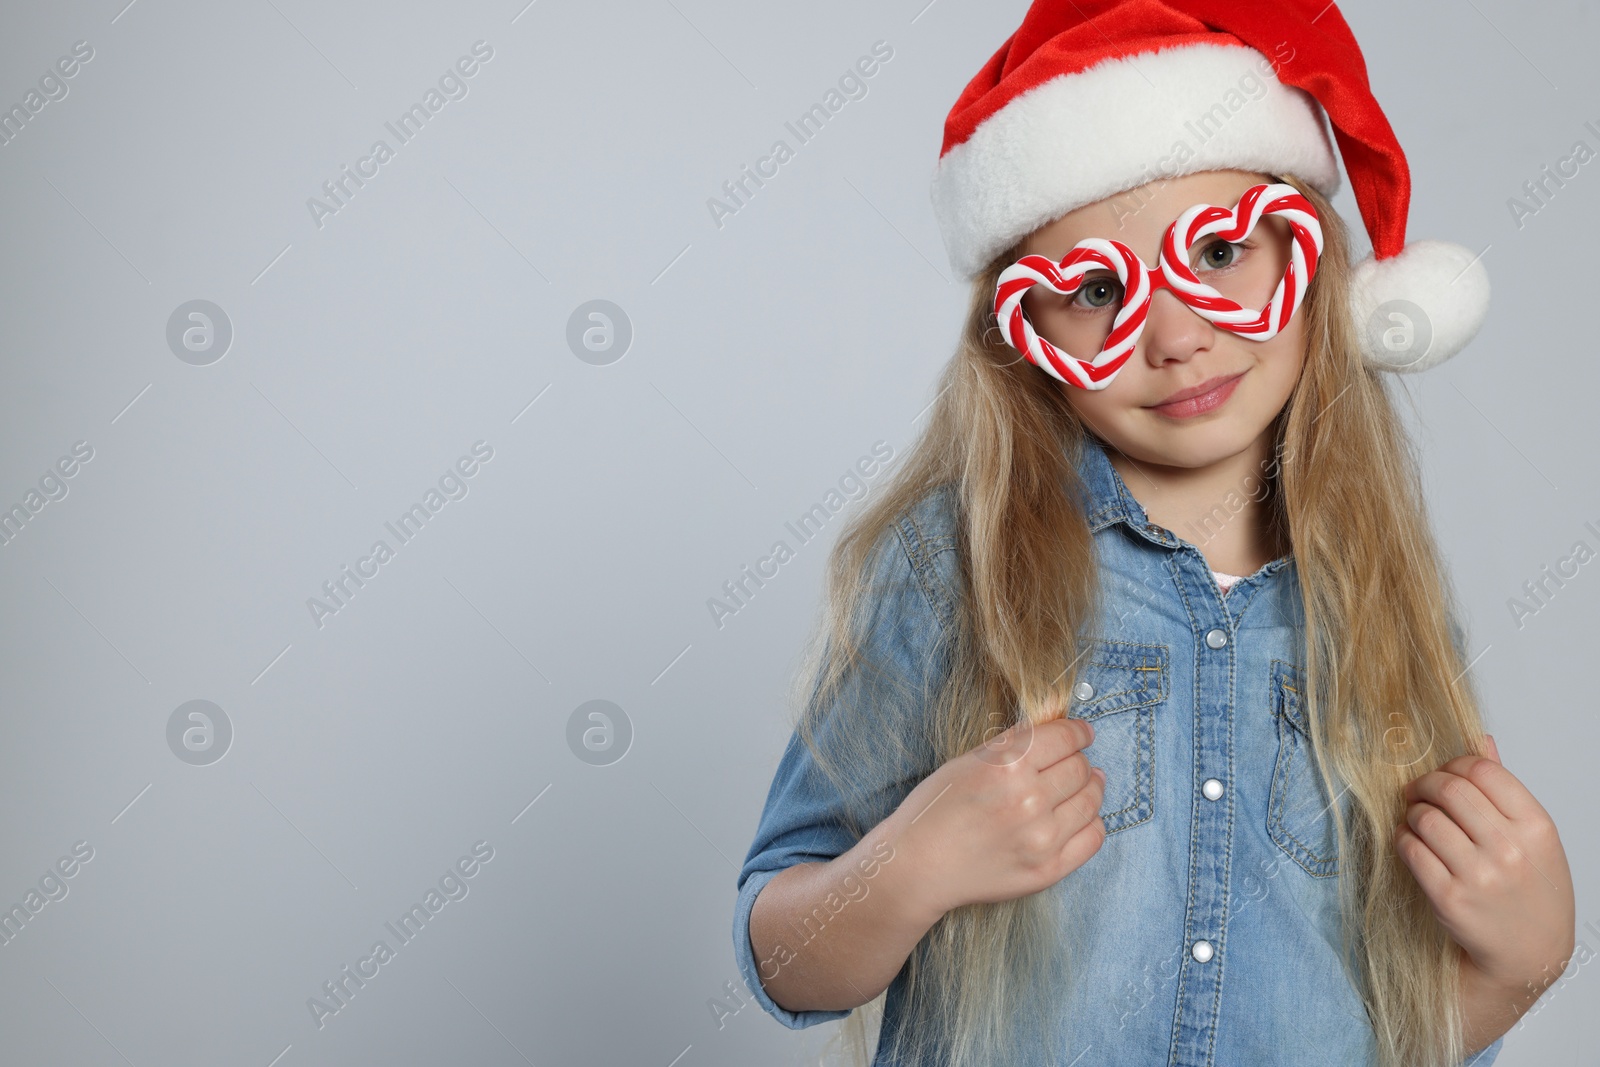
(1225, 581)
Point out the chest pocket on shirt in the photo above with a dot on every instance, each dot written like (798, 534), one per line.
(1118, 690)
(1299, 809)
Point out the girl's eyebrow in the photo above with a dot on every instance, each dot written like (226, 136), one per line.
(1150, 256)
(1058, 250)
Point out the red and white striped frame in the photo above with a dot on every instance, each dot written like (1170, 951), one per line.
(1140, 282)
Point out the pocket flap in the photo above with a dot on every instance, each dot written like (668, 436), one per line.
(1286, 689)
(1118, 676)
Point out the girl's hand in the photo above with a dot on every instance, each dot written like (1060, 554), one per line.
(1487, 856)
(1011, 817)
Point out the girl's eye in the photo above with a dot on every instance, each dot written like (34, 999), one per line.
(1098, 293)
(1219, 254)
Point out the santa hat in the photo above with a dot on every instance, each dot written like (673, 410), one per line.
(1089, 98)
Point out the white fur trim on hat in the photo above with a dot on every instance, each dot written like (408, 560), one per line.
(1119, 124)
(1416, 309)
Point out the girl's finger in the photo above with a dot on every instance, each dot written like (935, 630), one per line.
(1066, 777)
(1057, 740)
(1084, 844)
(1436, 829)
(1502, 788)
(1082, 807)
(1431, 874)
(1464, 802)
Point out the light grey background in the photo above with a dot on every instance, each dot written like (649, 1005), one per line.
(431, 312)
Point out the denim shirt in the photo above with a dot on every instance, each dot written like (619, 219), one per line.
(1205, 930)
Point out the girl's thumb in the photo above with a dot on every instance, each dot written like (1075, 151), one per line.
(1494, 749)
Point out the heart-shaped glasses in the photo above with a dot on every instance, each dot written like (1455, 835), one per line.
(1086, 263)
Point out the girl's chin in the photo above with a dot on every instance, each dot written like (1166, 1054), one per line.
(1183, 446)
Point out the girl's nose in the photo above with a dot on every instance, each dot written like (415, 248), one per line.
(1172, 329)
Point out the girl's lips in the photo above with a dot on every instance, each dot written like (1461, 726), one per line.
(1199, 405)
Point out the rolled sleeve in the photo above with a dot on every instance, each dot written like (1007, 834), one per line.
(796, 827)
(746, 957)
(805, 819)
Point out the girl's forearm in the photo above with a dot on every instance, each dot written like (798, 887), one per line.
(831, 936)
(1488, 1009)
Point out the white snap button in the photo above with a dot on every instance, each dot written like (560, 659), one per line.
(1083, 691)
(1211, 788)
(1202, 951)
(1216, 638)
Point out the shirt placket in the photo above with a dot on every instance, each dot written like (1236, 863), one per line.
(1211, 839)
(1213, 628)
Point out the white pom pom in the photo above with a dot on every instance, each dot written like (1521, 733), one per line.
(1415, 310)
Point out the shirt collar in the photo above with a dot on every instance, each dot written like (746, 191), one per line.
(1107, 501)
(1106, 496)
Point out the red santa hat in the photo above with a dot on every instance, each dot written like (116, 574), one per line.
(1089, 98)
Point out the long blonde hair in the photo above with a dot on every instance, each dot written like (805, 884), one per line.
(1387, 697)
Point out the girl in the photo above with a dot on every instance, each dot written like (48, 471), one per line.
(1141, 730)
